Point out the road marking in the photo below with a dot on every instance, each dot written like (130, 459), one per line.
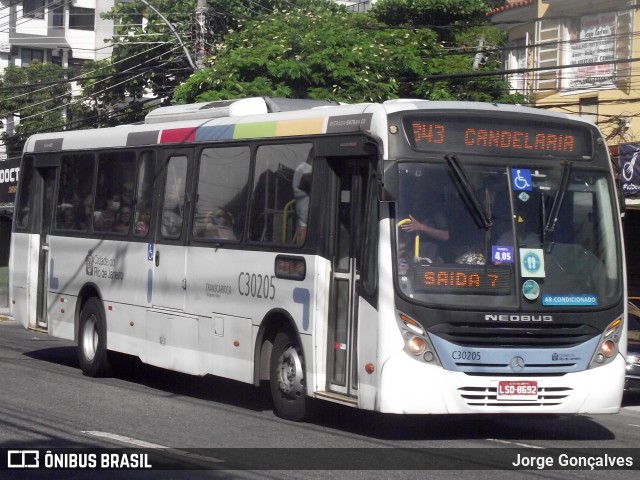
(143, 444)
(506, 442)
(123, 439)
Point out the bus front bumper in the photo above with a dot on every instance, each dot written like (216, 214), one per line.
(412, 387)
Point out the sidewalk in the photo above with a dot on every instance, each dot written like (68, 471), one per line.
(5, 314)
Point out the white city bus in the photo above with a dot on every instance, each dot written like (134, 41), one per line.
(406, 257)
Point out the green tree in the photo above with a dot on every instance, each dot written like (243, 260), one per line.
(35, 98)
(431, 12)
(327, 55)
(343, 56)
(148, 57)
(151, 57)
(463, 32)
(106, 100)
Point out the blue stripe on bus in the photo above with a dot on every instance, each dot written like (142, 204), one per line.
(149, 285)
(216, 132)
(303, 296)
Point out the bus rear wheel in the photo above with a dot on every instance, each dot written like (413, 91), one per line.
(287, 381)
(92, 340)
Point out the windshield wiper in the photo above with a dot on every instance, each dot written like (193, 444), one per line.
(552, 219)
(463, 181)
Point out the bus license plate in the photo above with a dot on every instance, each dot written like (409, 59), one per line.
(517, 390)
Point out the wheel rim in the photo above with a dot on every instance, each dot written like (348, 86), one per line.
(90, 338)
(290, 375)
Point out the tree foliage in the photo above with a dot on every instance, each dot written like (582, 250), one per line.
(148, 58)
(429, 12)
(151, 56)
(35, 98)
(333, 54)
(329, 55)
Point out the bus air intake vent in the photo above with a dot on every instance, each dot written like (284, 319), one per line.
(502, 335)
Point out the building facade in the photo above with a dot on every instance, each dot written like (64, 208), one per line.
(578, 57)
(582, 57)
(63, 32)
(356, 5)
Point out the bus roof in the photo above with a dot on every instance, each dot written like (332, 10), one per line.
(254, 118)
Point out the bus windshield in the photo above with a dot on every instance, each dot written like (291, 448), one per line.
(506, 236)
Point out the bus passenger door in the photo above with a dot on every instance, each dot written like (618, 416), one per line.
(48, 178)
(169, 257)
(349, 204)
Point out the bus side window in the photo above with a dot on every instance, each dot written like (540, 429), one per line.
(114, 192)
(25, 198)
(281, 192)
(73, 210)
(222, 192)
(174, 192)
(144, 195)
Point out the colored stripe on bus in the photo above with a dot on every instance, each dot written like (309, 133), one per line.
(142, 138)
(304, 126)
(282, 128)
(216, 132)
(178, 135)
(255, 130)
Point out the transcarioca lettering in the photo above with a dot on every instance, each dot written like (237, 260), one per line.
(519, 140)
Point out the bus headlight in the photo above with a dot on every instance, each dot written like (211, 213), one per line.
(416, 345)
(608, 346)
(416, 340)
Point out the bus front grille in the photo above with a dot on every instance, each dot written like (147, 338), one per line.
(488, 397)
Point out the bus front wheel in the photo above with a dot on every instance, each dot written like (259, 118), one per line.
(287, 381)
(92, 339)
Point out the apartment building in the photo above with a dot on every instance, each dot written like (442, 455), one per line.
(579, 57)
(63, 32)
(583, 57)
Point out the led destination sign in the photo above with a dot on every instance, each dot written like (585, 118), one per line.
(453, 279)
(498, 135)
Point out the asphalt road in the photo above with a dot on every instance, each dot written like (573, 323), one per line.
(46, 403)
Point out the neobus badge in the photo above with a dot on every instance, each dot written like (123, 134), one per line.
(518, 318)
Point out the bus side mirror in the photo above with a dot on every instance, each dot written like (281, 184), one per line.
(388, 191)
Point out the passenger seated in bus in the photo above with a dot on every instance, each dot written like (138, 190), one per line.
(142, 223)
(218, 225)
(171, 224)
(113, 203)
(127, 194)
(68, 219)
(104, 221)
(124, 220)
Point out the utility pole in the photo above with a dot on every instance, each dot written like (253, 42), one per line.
(173, 30)
(201, 15)
(479, 58)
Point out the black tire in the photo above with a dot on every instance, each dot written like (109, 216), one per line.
(92, 340)
(287, 380)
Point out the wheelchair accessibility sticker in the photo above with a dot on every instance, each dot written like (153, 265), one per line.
(532, 262)
(521, 179)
